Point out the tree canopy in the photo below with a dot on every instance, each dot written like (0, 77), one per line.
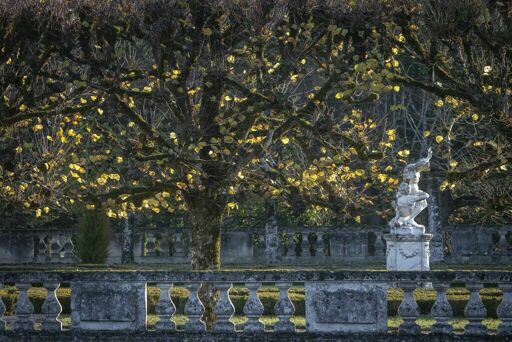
(192, 105)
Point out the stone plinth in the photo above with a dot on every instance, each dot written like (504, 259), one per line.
(407, 252)
(108, 306)
(346, 307)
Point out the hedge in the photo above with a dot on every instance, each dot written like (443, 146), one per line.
(457, 297)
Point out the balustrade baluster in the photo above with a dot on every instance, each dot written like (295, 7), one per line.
(41, 249)
(69, 248)
(55, 249)
(504, 310)
(150, 245)
(165, 308)
(284, 309)
(475, 311)
(224, 309)
(409, 310)
(253, 309)
(441, 310)
(503, 242)
(194, 309)
(24, 309)
(51, 308)
(379, 244)
(2, 311)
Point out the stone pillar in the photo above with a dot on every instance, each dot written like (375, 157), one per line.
(271, 233)
(434, 225)
(407, 252)
(41, 249)
(55, 249)
(127, 256)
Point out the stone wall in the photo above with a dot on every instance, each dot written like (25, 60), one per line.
(338, 305)
(296, 246)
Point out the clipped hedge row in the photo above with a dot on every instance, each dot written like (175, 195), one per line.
(457, 297)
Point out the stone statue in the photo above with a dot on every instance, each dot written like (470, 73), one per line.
(410, 200)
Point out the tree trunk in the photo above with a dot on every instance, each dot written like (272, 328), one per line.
(206, 217)
(127, 250)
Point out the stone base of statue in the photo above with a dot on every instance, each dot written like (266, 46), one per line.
(407, 252)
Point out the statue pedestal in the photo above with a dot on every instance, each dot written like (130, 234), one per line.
(407, 252)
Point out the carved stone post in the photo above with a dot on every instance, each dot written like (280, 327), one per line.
(194, 308)
(165, 308)
(253, 309)
(51, 308)
(284, 309)
(24, 309)
(2, 311)
(409, 309)
(224, 309)
(504, 310)
(441, 310)
(475, 311)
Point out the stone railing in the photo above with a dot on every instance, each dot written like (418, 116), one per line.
(335, 303)
(315, 245)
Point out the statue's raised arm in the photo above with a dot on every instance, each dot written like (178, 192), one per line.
(422, 164)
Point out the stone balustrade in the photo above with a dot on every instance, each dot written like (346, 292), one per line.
(299, 246)
(336, 302)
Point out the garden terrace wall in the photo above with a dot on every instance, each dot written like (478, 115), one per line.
(298, 246)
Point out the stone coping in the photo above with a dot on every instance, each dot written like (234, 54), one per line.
(258, 276)
(156, 336)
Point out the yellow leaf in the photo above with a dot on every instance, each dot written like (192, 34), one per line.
(100, 111)
(285, 140)
(478, 143)
(339, 95)
(439, 103)
(439, 139)
(232, 205)
(19, 149)
(382, 177)
(90, 206)
(426, 133)
(22, 108)
(474, 117)
(207, 31)
(453, 163)
(83, 101)
(119, 159)
(396, 89)
(148, 89)
(231, 59)
(37, 127)
(357, 219)
(359, 172)
(38, 212)
(46, 210)
(228, 139)
(303, 61)
(404, 153)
